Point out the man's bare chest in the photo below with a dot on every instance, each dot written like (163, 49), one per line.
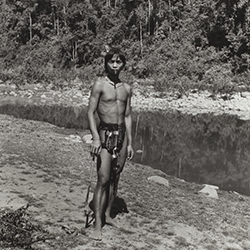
(111, 94)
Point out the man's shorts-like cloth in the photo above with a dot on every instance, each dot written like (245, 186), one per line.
(114, 135)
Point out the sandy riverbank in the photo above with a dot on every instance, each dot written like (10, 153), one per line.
(48, 167)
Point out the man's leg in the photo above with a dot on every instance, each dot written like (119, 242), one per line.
(101, 190)
(113, 186)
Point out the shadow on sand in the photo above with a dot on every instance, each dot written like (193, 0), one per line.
(119, 206)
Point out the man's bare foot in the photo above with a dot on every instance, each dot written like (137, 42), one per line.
(111, 222)
(96, 235)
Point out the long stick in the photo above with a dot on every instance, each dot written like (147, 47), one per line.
(86, 208)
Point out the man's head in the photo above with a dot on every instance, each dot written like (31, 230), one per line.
(113, 54)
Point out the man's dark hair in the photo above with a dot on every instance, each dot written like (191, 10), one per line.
(114, 51)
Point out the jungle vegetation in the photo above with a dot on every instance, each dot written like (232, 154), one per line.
(171, 44)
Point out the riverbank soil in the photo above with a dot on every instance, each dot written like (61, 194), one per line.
(49, 167)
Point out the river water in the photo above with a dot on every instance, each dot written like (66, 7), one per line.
(204, 148)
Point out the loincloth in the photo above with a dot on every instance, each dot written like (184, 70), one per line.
(114, 135)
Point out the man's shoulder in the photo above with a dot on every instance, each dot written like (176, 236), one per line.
(128, 87)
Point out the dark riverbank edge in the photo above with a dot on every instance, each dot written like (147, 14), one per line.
(61, 115)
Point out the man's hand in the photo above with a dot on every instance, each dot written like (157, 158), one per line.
(96, 147)
(130, 152)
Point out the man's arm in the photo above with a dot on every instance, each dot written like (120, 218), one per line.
(93, 105)
(128, 123)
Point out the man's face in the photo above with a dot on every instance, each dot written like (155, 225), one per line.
(115, 65)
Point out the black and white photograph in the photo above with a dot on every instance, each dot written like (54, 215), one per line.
(125, 125)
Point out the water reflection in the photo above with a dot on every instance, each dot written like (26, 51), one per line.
(202, 148)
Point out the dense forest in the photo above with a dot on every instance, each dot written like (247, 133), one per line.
(181, 44)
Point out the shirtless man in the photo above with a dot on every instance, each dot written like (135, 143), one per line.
(112, 138)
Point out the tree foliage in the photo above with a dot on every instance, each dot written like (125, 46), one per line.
(172, 42)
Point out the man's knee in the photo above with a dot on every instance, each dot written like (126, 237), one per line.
(103, 181)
